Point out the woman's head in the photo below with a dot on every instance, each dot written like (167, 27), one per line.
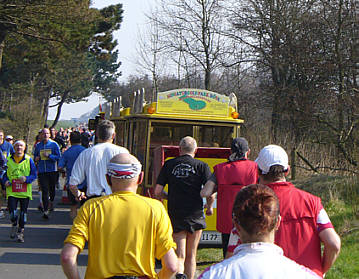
(256, 210)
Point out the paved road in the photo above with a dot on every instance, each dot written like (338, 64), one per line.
(39, 256)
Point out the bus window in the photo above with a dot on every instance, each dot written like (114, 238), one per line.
(138, 147)
(169, 133)
(120, 133)
(165, 134)
(215, 136)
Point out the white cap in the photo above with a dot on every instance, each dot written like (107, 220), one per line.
(9, 137)
(272, 155)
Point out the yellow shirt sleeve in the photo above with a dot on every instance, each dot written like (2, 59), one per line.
(164, 241)
(78, 234)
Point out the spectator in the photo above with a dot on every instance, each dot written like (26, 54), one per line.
(256, 216)
(228, 178)
(91, 164)
(20, 173)
(185, 177)
(125, 231)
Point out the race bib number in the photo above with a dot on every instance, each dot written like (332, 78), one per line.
(42, 152)
(18, 186)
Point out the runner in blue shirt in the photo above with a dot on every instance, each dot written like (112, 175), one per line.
(6, 150)
(67, 161)
(5, 146)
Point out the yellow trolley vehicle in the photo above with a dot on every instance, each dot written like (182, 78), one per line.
(152, 132)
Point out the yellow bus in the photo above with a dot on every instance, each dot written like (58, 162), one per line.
(152, 132)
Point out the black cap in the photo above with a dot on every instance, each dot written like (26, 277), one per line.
(239, 147)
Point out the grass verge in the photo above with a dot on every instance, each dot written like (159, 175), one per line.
(340, 197)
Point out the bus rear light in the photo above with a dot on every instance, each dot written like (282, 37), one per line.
(235, 115)
(151, 110)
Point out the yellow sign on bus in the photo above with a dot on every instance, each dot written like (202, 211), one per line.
(192, 102)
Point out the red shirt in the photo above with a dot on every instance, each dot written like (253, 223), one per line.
(303, 217)
(231, 177)
(298, 233)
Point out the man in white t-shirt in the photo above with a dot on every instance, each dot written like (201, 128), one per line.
(92, 164)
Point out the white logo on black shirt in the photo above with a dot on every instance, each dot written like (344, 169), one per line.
(182, 170)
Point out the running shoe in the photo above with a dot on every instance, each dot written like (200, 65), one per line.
(46, 215)
(20, 236)
(40, 208)
(13, 232)
(2, 214)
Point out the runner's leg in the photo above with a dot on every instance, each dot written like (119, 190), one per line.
(180, 239)
(191, 253)
(225, 240)
(53, 178)
(24, 204)
(43, 180)
(12, 204)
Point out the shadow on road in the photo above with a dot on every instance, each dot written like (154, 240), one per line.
(37, 259)
(43, 238)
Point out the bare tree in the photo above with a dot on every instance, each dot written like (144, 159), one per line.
(308, 50)
(193, 34)
(150, 50)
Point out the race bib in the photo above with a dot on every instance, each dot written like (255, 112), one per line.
(18, 186)
(5, 154)
(42, 156)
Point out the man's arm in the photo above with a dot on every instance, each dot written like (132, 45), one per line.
(208, 189)
(331, 251)
(77, 177)
(32, 176)
(37, 153)
(159, 193)
(209, 205)
(169, 265)
(69, 261)
(55, 156)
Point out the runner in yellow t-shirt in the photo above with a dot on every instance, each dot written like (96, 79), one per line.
(125, 231)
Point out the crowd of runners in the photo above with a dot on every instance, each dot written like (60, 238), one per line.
(48, 161)
(270, 229)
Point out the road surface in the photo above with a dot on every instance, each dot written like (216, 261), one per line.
(39, 256)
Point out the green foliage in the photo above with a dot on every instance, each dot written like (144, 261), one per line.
(103, 56)
(63, 124)
(63, 50)
(22, 123)
(346, 265)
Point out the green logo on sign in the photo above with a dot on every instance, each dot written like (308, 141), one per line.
(195, 104)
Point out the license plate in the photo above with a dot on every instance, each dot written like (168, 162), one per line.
(211, 237)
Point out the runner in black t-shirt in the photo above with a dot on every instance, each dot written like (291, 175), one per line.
(185, 177)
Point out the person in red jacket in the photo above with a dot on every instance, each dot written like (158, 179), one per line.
(227, 179)
(305, 223)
